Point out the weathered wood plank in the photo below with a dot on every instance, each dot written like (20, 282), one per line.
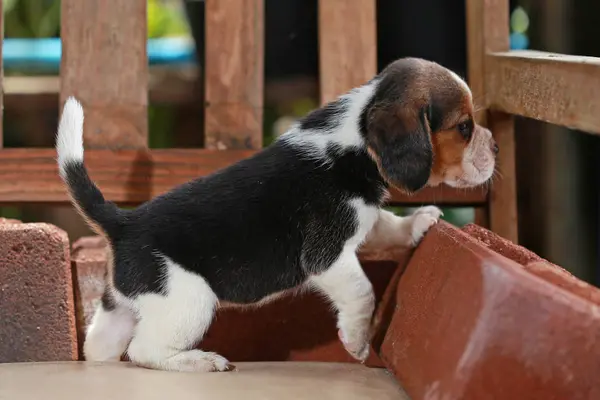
(105, 65)
(347, 45)
(441, 195)
(555, 88)
(234, 74)
(172, 86)
(126, 176)
(488, 31)
(130, 176)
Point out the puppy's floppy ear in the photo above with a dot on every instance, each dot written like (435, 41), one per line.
(400, 139)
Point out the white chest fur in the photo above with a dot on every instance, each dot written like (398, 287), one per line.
(366, 217)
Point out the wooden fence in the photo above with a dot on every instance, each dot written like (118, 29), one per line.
(104, 64)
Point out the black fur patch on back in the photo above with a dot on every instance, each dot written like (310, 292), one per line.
(326, 118)
(256, 228)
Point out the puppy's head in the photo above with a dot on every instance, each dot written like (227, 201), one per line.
(420, 130)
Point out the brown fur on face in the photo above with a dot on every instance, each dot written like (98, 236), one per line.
(420, 129)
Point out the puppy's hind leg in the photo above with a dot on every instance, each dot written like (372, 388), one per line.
(110, 331)
(171, 325)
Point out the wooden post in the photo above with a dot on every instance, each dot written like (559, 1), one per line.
(105, 65)
(488, 31)
(234, 74)
(347, 45)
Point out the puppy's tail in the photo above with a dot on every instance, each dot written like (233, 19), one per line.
(104, 217)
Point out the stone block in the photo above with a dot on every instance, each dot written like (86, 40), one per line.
(88, 259)
(9, 221)
(472, 324)
(535, 264)
(37, 319)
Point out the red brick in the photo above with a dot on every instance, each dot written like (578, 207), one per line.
(89, 242)
(472, 324)
(501, 246)
(534, 263)
(36, 294)
(292, 328)
(387, 305)
(88, 259)
(564, 280)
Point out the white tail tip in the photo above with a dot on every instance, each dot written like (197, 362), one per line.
(69, 140)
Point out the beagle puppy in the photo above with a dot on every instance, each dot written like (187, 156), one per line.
(292, 216)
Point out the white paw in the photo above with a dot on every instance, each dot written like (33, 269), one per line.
(423, 219)
(356, 342)
(195, 361)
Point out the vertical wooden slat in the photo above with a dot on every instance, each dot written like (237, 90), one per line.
(234, 74)
(476, 56)
(488, 31)
(347, 45)
(105, 64)
(503, 193)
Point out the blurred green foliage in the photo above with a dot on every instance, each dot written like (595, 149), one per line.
(161, 122)
(41, 18)
(165, 20)
(31, 18)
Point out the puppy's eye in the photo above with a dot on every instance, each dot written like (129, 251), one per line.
(465, 129)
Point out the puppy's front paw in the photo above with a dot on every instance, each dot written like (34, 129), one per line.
(423, 219)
